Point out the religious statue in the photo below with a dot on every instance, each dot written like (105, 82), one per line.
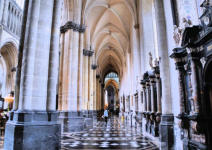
(156, 62)
(186, 23)
(177, 35)
(178, 31)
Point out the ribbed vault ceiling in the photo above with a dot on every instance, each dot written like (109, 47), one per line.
(109, 23)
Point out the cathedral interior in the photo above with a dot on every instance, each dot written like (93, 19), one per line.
(106, 74)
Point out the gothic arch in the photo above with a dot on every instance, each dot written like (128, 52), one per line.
(8, 62)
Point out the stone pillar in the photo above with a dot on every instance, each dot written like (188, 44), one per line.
(144, 96)
(60, 92)
(88, 117)
(31, 125)
(148, 96)
(158, 86)
(71, 117)
(180, 57)
(152, 83)
(144, 118)
(100, 95)
(91, 82)
(166, 125)
(97, 93)
(54, 59)
(196, 79)
(94, 95)
(80, 76)
(86, 82)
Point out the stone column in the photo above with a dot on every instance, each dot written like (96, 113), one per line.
(60, 92)
(166, 125)
(29, 49)
(86, 81)
(94, 95)
(54, 58)
(88, 117)
(152, 83)
(100, 96)
(80, 76)
(144, 96)
(180, 57)
(32, 126)
(72, 117)
(72, 97)
(97, 93)
(148, 96)
(196, 79)
(158, 86)
(20, 57)
(144, 118)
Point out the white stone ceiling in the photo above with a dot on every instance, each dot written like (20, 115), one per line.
(109, 24)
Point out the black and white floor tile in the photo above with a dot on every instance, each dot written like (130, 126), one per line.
(114, 135)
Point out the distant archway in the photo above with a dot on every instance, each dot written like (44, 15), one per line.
(112, 95)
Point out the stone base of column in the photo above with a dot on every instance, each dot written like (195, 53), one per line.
(72, 121)
(32, 130)
(95, 115)
(139, 118)
(144, 125)
(167, 132)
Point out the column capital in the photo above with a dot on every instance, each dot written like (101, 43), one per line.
(74, 26)
(97, 76)
(87, 52)
(180, 56)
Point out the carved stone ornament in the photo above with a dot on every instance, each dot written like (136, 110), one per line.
(72, 25)
(203, 61)
(88, 52)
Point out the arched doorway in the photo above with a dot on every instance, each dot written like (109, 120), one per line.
(112, 92)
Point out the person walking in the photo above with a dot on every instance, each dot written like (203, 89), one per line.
(106, 115)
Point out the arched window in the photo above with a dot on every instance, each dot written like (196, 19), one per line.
(112, 75)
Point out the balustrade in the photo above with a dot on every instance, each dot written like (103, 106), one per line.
(12, 17)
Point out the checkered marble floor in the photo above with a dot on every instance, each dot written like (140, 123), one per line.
(114, 135)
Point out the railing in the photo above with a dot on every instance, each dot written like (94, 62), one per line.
(12, 17)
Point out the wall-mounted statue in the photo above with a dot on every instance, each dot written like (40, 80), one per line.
(178, 31)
